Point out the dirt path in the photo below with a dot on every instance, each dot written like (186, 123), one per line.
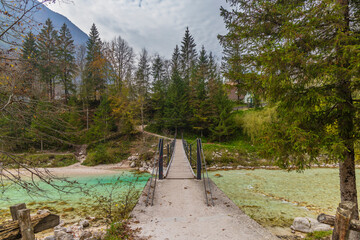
(180, 210)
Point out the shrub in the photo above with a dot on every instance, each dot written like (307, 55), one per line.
(254, 122)
(97, 156)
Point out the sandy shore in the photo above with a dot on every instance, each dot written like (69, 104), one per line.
(77, 170)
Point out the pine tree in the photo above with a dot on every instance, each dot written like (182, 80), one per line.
(66, 59)
(103, 121)
(305, 55)
(158, 91)
(48, 62)
(176, 100)
(142, 81)
(198, 93)
(93, 82)
(29, 65)
(188, 55)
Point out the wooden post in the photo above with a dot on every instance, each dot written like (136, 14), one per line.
(14, 210)
(198, 158)
(344, 214)
(161, 160)
(26, 228)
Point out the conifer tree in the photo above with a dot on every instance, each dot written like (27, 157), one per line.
(188, 55)
(176, 100)
(93, 81)
(198, 93)
(48, 62)
(305, 55)
(29, 65)
(142, 81)
(158, 90)
(66, 59)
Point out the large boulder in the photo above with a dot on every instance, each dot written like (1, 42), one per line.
(307, 225)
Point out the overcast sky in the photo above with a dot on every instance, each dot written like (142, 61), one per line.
(157, 25)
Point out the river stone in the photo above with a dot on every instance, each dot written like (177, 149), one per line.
(133, 164)
(307, 225)
(42, 211)
(61, 235)
(85, 235)
(84, 223)
(50, 238)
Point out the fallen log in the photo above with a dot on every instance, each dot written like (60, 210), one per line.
(11, 230)
(330, 220)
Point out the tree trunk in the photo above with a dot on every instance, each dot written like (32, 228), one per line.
(346, 115)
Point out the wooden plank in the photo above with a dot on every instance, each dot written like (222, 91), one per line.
(26, 228)
(14, 209)
(330, 220)
(344, 215)
(10, 230)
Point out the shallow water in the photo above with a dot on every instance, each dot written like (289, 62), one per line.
(276, 197)
(81, 199)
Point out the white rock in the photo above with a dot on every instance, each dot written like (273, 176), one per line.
(43, 211)
(132, 165)
(84, 223)
(85, 235)
(307, 225)
(61, 235)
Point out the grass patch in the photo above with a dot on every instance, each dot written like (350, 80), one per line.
(39, 160)
(319, 235)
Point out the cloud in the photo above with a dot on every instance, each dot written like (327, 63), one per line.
(157, 25)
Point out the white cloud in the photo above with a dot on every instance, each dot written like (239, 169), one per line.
(157, 25)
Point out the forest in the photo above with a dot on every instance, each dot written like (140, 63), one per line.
(66, 95)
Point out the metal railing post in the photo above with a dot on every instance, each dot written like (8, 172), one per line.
(161, 160)
(190, 155)
(198, 158)
(168, 154)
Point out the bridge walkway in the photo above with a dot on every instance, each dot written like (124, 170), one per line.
(180, 210)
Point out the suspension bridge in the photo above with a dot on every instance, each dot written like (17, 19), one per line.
(181, 202)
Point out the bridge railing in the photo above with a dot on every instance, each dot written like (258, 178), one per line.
(198, 162)
(152, 181)
(170, 155)
(158, 166)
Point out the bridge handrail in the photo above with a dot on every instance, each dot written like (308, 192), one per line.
(204, 166)
(172, 150)
(156, 159)
(186, 146)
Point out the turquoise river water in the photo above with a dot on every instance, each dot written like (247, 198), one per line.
(271, 197)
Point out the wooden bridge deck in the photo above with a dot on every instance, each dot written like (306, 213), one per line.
(180, 210)
(180, 167)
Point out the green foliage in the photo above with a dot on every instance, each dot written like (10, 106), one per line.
(255, 122)
(97, 156)
(48, 63)
(318, 235)
(66, 58)
(113, 151)
(302, 56)
(93, 79)
(103, 122)
(119, 231)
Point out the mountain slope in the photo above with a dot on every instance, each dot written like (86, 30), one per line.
(58, 20)
(38, 17)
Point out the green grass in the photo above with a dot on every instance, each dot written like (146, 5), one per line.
(319, 235)
(40, 160)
